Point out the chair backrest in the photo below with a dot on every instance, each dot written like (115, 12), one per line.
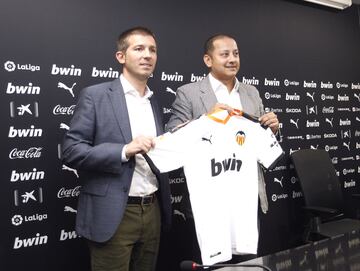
(318, 180)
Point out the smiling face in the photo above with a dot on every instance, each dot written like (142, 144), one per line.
(139, 58)
(223, 59)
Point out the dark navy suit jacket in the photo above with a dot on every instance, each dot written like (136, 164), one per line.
(98, 132)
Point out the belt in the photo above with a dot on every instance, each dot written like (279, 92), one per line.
(145, 200)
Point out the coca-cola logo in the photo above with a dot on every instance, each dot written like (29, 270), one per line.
(31, 153)
(64, 110)
(69, 193)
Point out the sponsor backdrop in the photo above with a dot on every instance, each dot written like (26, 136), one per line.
(304, 60)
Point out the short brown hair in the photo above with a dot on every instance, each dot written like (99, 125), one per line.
(122, 43)
(209, 44)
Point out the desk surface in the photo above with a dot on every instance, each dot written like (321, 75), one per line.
(334, 254)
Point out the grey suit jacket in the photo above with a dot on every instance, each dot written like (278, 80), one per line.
(98, 132)
(195, 99)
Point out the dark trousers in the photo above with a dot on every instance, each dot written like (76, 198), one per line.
(135, 244)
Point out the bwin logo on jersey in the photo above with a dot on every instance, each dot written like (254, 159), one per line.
(225, 165)
(240, 138)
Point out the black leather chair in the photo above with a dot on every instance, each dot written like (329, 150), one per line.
(322, 194)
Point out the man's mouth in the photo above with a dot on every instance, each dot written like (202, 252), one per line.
(146, 65)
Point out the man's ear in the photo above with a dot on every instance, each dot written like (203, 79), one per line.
(120, 56)
(207, 60)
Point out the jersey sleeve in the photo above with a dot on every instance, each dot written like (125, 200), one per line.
(172, 150)
(168, 153)
(269, 151)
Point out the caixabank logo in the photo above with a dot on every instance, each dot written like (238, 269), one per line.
(22, 197)
(24, 109)
(11, 66)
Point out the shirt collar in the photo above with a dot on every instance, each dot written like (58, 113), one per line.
(217, 85)
(129, 89)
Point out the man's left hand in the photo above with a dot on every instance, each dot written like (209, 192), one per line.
(270, 120)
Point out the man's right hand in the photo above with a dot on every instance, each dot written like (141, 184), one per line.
(140, 144)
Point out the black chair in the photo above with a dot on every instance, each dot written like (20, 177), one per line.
(322, 194)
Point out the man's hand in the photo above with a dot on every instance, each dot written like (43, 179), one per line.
(270, 120)
(140, 144)
(218, 106)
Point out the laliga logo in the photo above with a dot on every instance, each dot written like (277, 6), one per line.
(16, 220)
(9, 66)
(240, 138)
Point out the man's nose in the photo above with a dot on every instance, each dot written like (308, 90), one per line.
(147, 53)
(233, 58)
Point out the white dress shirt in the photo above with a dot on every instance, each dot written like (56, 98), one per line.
(223, 95)
(142, 122)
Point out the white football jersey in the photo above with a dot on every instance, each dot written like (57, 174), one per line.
(220, 153)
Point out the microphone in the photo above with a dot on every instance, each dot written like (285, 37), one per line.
(192, 266)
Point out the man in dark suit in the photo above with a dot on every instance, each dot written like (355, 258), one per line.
(122, 202)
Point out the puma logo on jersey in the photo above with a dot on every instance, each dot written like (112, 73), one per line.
(207, 139)
(240, 137)
(225, 165)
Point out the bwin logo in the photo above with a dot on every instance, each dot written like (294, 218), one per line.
(9, 66)
(27, 176)
(295, 123)
(32, 132)
(276, 180)
(70, 89)
(105, 73)
(347, 145)
(240, 138)
(29, 89)
(330, 121)
(64, 235)
(170, 90)
(72, 71)
(232, 164)
(311, 95)
(172, 77)
(29, 242)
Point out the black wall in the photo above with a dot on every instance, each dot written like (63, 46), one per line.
(287, 42)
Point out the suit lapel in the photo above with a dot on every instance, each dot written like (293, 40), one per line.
(244, 99)
(118, 102)
(207, 95)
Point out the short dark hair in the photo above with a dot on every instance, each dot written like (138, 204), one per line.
(122, 43)
(209, 44)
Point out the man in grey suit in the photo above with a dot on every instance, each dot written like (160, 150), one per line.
(221, 89)
(122, 202)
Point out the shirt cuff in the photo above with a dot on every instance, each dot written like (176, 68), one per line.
(123, 154)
